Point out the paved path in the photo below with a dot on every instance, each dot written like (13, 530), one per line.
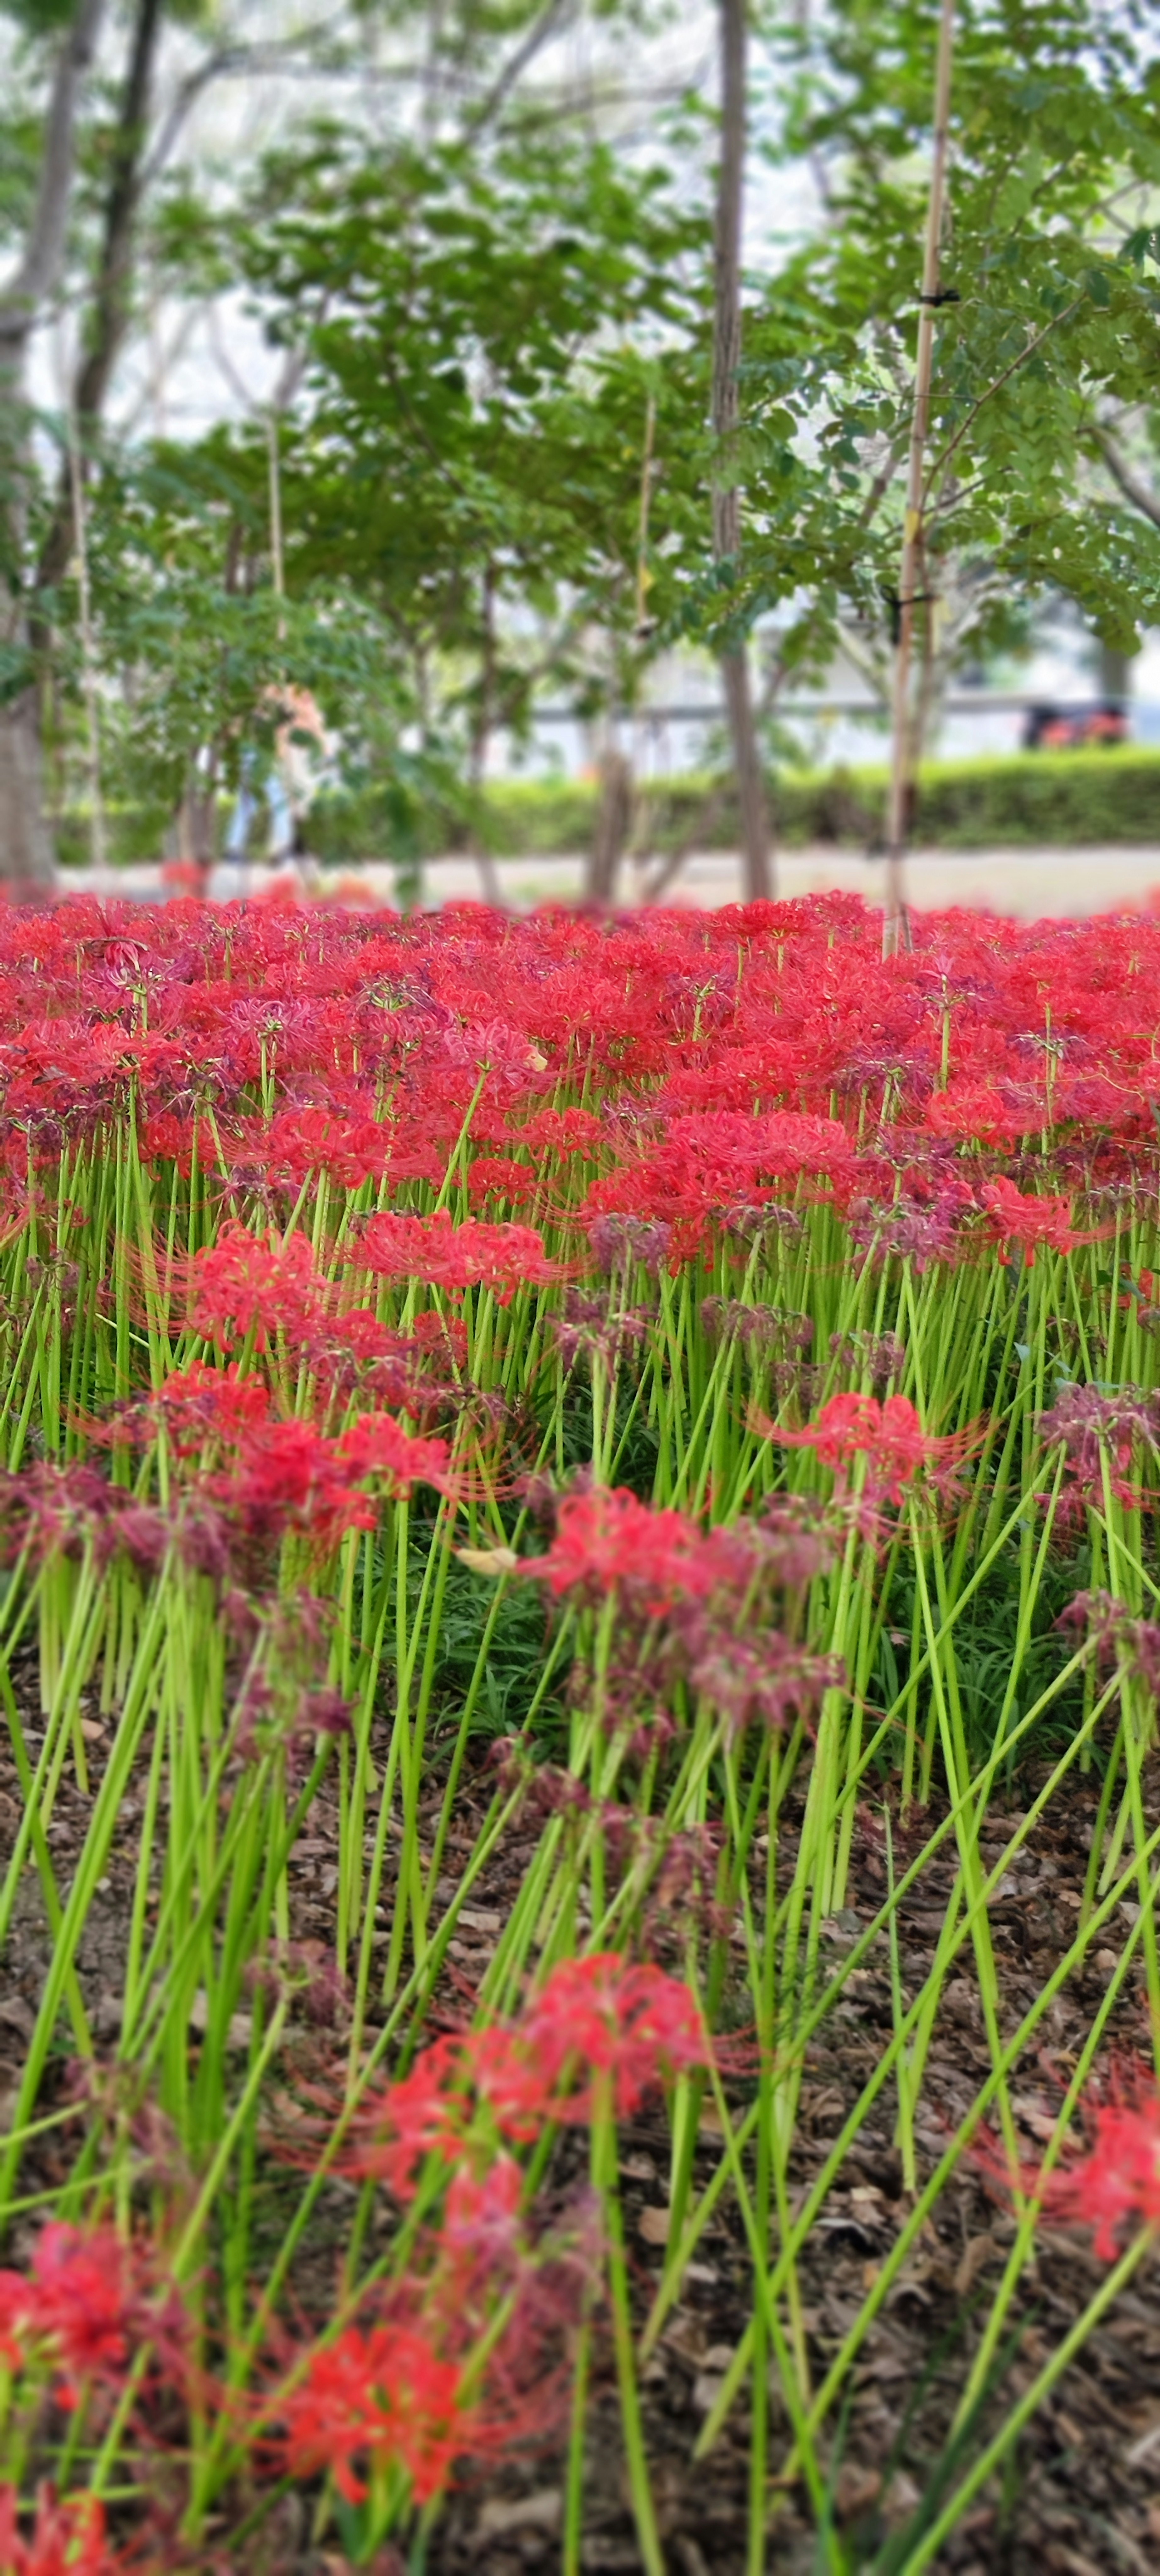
(1030, 883)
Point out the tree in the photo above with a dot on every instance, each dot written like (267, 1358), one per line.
(751, 798)
(497, 345)
(25, 851)
(469, 67)
(1048, 325)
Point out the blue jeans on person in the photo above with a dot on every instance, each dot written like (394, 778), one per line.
(248, 804)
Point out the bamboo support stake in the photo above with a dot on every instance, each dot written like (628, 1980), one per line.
(97, 837)
(896, 923)
(643, 576)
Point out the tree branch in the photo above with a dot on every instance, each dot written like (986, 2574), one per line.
(44, 249)
(1141, 497)
(1028, 351)
(552, 21)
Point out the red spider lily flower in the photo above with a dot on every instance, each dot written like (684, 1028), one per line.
(974, 1109)
(349, 1149)
(287, 1476)
(67, 2539)
(48, 1509)
(82, 2308)
(376, 2398)
(445, 1255)
(633, 2025)
(199, 1403)
(499, 1176)
(1031, 1221)
(423, 2113)
(376, 1445)
(481, 2239)
(1099, 1432)
(606, 1538)
(242, 1284)
(86, 2298)
(1112, 2187)
(491, 1046)
(15, 2319)
(888, 1434)
(1140, 1292)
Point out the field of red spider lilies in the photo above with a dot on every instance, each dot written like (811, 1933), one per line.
(579, 1816)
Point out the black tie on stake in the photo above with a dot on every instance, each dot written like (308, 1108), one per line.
(895, 604)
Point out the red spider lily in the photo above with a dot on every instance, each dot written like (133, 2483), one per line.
(1099, 1432)
(605, 1539)
(1031, 1221)
(49, 1510)
(376, 1445)
(288, 1476)
(887, 1433)
(200, 1403)
(481, 2242)
(974, 1109)
(1140, 1292)
(243, 1285)
(634, 2026)
(349, 1148)
(492, 1046)
(424, 2113)
(67, 2538)
(1115, 2185)
(445, 1255)
(376, 2398)
(83, 2308)
(601, 2017)
(500, 1176)
(86, 2295)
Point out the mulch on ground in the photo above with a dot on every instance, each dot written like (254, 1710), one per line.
(1081, 2493)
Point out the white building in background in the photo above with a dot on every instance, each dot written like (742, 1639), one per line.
(680, 726)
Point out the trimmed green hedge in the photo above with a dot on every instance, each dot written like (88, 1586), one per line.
(1019, 799)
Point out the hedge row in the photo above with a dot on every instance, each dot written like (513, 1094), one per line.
(1038, 798)
(1032, 797)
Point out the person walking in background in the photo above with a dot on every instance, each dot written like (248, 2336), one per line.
(301, 750)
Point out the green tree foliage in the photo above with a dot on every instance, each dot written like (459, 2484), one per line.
(1052, 266)
(490, 345)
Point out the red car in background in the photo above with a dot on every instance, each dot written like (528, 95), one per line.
(1073, 728)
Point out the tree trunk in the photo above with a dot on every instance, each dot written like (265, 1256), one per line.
(1115, 677)
(109, 318)
(26, 858)
(480, 739)
(613, 825)
(900, 800)
(756, 842)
